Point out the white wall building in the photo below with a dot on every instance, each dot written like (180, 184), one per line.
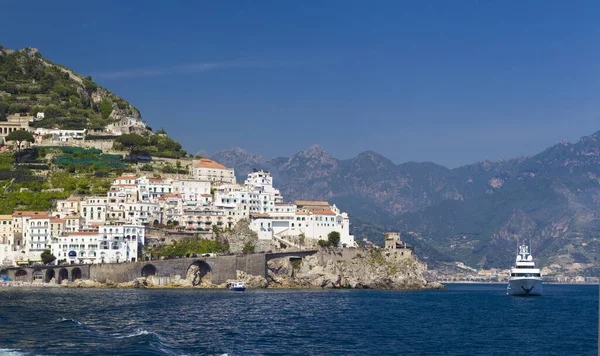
(206, 169)
(312, 223)
(94, 208)
(105, 244)
(61, 135)
(193, 190)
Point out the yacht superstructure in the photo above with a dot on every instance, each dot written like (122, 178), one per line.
(525, 278)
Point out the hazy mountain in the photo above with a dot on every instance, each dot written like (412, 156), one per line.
(475, 213)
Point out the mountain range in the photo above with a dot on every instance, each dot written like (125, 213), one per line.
(476, 214)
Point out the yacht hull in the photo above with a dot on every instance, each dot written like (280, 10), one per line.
(525, 286)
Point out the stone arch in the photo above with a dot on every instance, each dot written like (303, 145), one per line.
(21, 275)
(75, 274)
(38, 275)
(49, 275)
(148, 270)
(198, 272)
(63, 274)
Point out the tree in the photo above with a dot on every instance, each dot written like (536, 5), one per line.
(133, 142)
(333, 238)
(47, 257)
(248, 247)
(19, 137)
(301, 239)
(106, 108)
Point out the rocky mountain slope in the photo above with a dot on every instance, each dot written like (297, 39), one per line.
(475, 213)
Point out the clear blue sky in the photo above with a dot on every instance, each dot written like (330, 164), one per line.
(451, 82)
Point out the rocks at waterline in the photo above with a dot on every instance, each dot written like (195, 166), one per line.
(376, 269)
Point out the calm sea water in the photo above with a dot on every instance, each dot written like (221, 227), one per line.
(464, 320)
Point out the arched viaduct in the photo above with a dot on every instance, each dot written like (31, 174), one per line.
(220, 268)
(48, 273)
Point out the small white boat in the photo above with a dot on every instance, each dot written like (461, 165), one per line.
(525, 278)
(238, 286)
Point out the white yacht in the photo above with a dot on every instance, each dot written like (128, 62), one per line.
(525, 278)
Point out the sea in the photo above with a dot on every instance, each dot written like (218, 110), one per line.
(465, 319)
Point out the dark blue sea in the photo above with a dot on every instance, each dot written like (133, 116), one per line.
(466, 319)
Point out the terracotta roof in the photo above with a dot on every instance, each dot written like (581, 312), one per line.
(29, 213)
(126, 177)
(5, 217)
(208, 163)
(205, 195)
(74, 198)
(57, 220)
(300, 212)
(312, 203)
(323, 212)
(72, 217)
(172, 195)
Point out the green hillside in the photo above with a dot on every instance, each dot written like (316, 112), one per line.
(29, 84)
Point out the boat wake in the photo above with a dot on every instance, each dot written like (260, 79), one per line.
(137, 333)
(68, 320)
(12, 352)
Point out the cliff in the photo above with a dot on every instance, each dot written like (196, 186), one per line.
(360, 269)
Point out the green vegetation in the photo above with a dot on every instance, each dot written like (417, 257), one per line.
(333, 238)
(47, 257)
(155, 145)
(323, 243)
(33, 84)
(19, 136)
(248, 247)
(22, 188)
(190, 246)
(92, 160)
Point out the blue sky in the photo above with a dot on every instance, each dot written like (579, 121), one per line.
(450, 82)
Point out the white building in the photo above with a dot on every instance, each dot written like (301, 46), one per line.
(171, 207)
(105, 244)
(193, 190)
(6, 239)
(206, 169)
(142, 212)
(61, 135)
(94, 209)
(312, 223)
(69, 206)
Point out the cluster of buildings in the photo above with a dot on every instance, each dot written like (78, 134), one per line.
(111, 227)
(18, 121)
(24, 235)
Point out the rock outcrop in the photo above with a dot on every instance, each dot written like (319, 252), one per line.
(375, 269)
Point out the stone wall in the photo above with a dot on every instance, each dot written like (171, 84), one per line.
(48, 273)
(222, 268)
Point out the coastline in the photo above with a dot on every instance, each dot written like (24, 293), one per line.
(137, 284)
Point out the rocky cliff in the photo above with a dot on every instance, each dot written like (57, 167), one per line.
(376, 269)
